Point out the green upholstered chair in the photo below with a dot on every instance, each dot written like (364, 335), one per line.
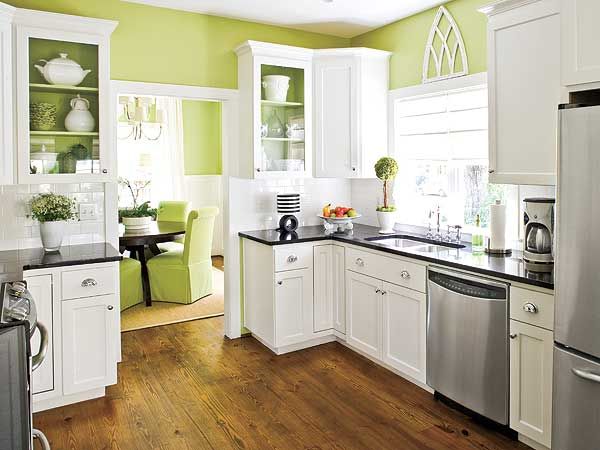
(172, 211)
(130, 277)
(185, 275)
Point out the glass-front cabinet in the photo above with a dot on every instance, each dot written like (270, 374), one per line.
(63, 113)
(274, 82)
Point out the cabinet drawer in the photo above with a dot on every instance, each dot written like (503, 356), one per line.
(397, 271)
(534, 308)
(292, 257)
(90, 282)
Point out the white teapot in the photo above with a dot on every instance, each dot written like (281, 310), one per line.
(62, 71)
(80, 118)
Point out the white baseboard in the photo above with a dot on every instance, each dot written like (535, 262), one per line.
(55, 402)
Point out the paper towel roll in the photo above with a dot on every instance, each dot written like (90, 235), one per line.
(497, 226)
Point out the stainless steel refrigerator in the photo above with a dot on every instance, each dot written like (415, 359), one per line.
(576, 393)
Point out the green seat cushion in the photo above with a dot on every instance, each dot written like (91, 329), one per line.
(130, 281)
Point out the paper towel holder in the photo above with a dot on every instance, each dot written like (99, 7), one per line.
(496, 251)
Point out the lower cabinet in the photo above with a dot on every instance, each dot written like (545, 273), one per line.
(339, 288)
(363, 313)
(293, 306)
(404, 330)
(329, 292)
(531, 353)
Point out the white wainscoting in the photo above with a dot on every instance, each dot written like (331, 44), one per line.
(206, 190)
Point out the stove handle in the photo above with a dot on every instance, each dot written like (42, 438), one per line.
(37, 360)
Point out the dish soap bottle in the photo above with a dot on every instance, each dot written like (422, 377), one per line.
(477, 246)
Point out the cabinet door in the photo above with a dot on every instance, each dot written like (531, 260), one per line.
(6, 103)
(404, 330)
(336, 129)
(339, 288)
(363, 313)
(580, 41)
(531, 381)
(524, 92)
(90, 328)
(41, 290)
(323, 288)
(293, 306)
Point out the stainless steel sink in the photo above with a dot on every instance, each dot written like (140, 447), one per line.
(431, 249)
(417, 244)
(399, 242)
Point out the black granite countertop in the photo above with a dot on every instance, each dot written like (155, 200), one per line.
(507, 267)
(16, 261)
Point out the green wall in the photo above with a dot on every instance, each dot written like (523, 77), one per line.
(202, 137)
(406, 39)
(167, 46)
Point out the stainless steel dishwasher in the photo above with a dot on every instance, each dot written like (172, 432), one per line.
(467, 341)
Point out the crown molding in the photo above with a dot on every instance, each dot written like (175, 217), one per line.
(503, 6)
(267, 49)
(43, 19)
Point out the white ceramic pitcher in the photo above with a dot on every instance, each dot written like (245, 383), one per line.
(80, 118)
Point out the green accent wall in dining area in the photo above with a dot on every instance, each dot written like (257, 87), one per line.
(202, 137)
(406, 39)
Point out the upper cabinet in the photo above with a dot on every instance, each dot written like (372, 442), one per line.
(275, 101)
(580, 41)
(524, 90)
(351, 87)
(63, 98)
(6, 96)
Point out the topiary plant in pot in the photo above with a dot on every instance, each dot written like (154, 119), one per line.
(386, 169)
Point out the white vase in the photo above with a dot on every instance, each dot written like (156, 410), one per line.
(276, 87)
(136, 223)
(387, 220)
(52, 234)
(80, 119)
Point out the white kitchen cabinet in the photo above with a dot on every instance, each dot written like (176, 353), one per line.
(351, 87)
(363, 313)
(524, 90)
(338, 271)
(323, 287)
(90, 327)
(40, 288)
(531, 381)
(293, 307)
(274, 154)
(580, 41)
(404, 330)
(6, 95)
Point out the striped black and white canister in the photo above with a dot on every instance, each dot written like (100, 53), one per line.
(288, 203)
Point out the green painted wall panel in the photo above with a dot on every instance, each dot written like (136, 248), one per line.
(167, 46)
(407, 38)
(202, 137)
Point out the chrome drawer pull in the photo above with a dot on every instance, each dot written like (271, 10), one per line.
(89, 282)
(292, 259)
(405, 275)
(590, 376)
(359, 262)
(530, 308)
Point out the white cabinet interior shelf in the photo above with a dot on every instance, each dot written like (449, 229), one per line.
(273, 103)
(64, 133)
(40, 87)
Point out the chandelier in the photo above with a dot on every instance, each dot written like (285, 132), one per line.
(139, 118)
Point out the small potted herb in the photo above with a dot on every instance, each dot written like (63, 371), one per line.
(139, 216)
(52, 211)
(386, 169)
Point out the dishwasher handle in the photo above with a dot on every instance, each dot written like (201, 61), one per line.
(468, 285)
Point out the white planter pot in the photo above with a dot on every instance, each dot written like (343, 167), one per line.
(52, 234)
(276, 87)
(387, 220)
(136, 223)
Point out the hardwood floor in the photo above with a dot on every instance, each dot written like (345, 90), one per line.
(184, 386)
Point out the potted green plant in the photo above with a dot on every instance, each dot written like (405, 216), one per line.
(139, 216)
(386, 169)
(52, 211)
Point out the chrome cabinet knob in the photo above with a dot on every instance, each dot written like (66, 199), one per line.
(378, 291)
(513, 336)
(89, 282)
(383, 292)
(292, 259)
(354, 169)
(258, 169)
(405, 275)
(104, 170)
(110, 307)
(491, 171)
(530, 308)
(359, 262)
(279, 283)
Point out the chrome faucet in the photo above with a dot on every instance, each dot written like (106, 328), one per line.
(438, 234)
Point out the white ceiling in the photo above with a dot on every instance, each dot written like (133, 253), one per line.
(344, 18)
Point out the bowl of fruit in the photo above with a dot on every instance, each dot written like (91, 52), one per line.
(338, 219)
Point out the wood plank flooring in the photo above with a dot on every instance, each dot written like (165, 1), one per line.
(184, 386)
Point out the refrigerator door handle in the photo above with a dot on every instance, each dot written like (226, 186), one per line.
(586, 375)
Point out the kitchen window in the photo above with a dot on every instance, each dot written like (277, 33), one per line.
(441, 144)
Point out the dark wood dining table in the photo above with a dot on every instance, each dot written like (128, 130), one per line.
(136, 241)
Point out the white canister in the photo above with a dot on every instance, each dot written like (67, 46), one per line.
(276, 87)
(52, 234)
(80, 118)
